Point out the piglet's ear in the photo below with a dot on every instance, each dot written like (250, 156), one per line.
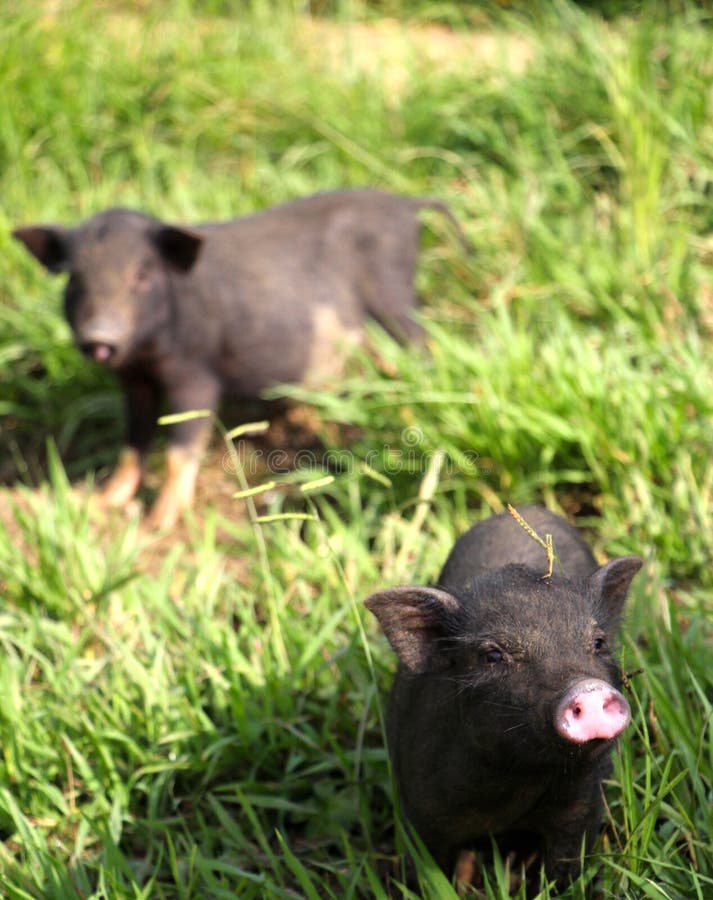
(610, 584)
(179, 247)
(416, 620)
(47, 243)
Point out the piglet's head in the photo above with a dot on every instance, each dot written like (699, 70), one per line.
(528, 662)
(120, 265)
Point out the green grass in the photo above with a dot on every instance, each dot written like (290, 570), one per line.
(203, 716)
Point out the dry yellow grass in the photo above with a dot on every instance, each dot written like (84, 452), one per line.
(393, 49)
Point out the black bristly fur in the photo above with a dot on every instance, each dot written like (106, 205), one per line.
(484, 660)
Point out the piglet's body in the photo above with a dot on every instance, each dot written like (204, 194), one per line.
(507, 698)
(188, 314)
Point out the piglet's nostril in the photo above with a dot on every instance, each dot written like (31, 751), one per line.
(97, 350)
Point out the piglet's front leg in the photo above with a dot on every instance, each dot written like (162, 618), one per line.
(142, 397)
(178, 490)
(125, 480)
(573, 829)
(187, 444)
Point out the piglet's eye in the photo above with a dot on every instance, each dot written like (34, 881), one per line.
(144, 273)
(492, 656)
(599, 644)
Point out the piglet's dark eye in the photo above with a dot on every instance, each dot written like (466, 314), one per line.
(144, 273)
(492, 656)
(599, 644)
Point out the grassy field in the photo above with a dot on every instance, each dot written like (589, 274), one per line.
(201, 714)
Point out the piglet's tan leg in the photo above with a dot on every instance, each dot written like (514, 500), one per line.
(177, 492)
(124, 481)
(465, 870)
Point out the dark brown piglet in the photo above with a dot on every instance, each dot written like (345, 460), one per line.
(188, 314)
(507, 699)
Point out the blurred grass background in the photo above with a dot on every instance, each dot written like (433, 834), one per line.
(201, 715)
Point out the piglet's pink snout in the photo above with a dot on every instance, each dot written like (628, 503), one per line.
(592, 709)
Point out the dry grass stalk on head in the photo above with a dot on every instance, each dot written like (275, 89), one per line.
(546, 544)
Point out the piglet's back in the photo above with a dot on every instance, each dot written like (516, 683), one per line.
(501, 540)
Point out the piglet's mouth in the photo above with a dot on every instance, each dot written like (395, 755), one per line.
(98, 351)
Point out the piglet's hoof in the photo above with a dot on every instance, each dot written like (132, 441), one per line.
(124, 482)
(177, 493)
(165, 513)
(465, 872)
